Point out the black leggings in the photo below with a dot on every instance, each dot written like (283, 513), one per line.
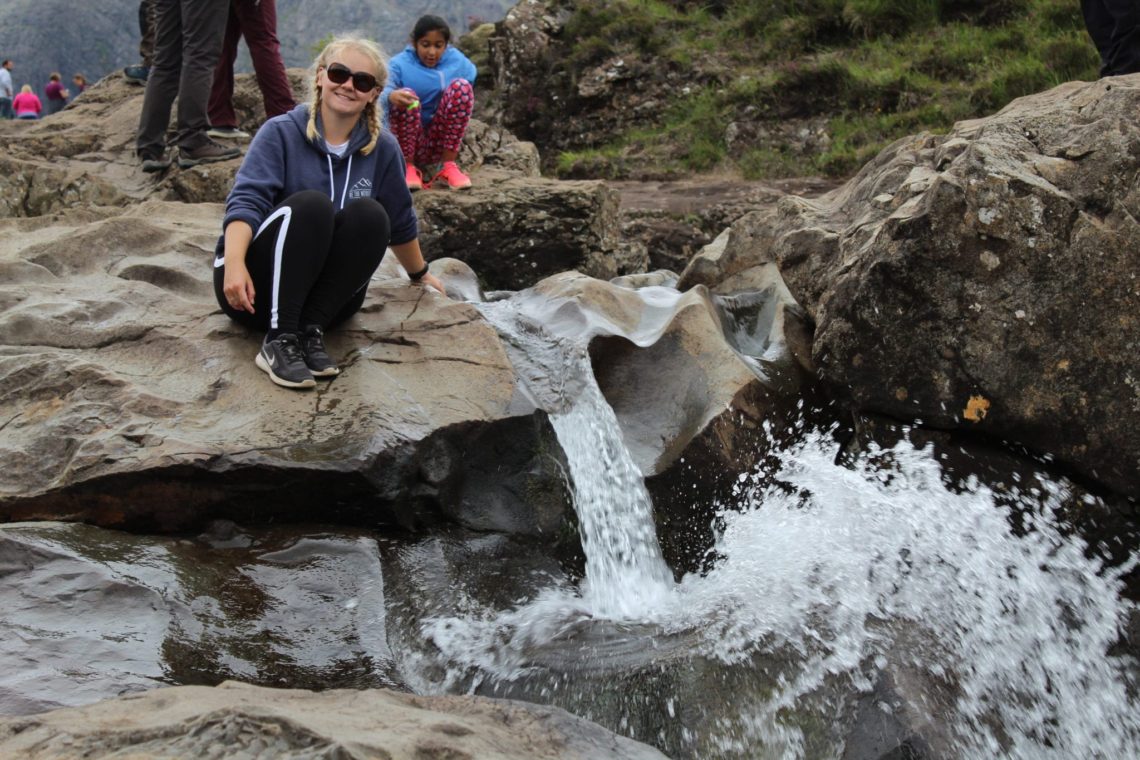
(310, 263)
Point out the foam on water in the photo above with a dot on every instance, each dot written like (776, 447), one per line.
(850, 569)
(1020, 623)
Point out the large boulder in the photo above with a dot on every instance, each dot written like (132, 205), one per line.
(518, 230)
(237, 720)
(980, 281)
(130, 400)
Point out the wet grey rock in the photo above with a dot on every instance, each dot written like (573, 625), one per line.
(733, 387)
(93, 614)
(130, 400)
(981, 281)
(516, 231)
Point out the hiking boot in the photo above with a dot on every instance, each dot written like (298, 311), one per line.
(284, 360)
(136, 73)
(227, 133)
(206, 153)
(317, 358)
(414, 179)
(154, 162)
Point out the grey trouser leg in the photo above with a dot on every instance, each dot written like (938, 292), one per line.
(146, 32)
(187, 43)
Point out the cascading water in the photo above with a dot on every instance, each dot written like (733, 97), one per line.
(853, 610)
(626, 576)
(625, 573)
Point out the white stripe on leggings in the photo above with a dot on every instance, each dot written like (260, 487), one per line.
(278, 247)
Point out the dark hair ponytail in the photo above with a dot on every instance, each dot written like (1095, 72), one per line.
(431, 23)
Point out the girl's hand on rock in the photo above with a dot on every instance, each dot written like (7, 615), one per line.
(238, 287)
(430, 280)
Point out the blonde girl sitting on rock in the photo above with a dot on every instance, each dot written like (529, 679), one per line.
(319, 197)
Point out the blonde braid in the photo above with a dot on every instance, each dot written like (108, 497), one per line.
(372, 115)
(314, 109)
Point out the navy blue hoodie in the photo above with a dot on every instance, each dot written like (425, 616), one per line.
(282, 161)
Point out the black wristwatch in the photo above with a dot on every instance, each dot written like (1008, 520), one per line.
(417, 276)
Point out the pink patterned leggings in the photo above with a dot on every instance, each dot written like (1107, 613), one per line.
(446, 130)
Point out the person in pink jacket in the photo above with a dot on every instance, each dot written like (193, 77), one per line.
(26, 104)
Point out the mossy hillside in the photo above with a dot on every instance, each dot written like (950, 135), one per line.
(857, 73)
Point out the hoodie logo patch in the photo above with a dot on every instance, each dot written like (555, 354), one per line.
(362, 189)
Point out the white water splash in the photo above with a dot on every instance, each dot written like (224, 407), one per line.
(1017, 627)
(830, 581)
(836, 576)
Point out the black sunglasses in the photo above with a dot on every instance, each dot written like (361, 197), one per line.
(362, 81)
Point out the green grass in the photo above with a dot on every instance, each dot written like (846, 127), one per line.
(871, 70)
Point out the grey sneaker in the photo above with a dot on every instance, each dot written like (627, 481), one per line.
(206, 153)
(284, 360)
(317, 359)
(154, 162)
(228, 133)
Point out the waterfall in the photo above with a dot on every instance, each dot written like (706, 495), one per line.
(844, 598)
(626, 576)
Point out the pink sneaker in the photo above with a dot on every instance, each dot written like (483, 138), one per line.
(414, 179)
(452, 177)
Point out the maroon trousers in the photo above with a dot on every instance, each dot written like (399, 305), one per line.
(256, 20)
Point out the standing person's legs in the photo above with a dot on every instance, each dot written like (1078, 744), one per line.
(259, 26)
(203, 24)
(1114, 26)
(221, 104)
(162, 84)
(6, 111)
(146, 32)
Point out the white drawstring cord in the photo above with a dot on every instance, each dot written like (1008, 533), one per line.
(347, 174)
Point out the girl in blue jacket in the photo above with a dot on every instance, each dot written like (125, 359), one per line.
(319, 197)
(428, 103)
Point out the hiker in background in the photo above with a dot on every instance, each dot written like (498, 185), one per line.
(256, 20)
(1114, 26)
(27, 104)
(6, 90)
(188, 41)
(428, 104)
(55, 93)
(78, 84)
(317, 201)
(137, 73)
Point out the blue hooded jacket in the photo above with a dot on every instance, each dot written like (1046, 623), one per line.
(282, 161)
(406, 70)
